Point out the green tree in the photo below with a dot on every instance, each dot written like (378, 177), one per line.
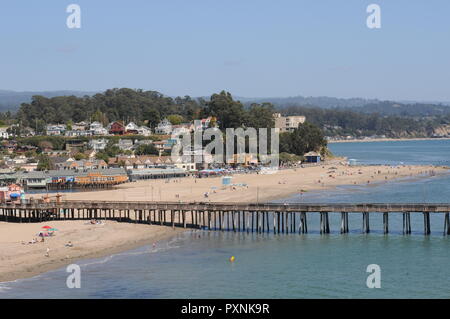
(44, 163)
(307, 137)
(175, 119)
(102, 156)
(229, 113)
(80, 156)
(146, 149)
(260, 116)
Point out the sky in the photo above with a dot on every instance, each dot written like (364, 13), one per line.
(251, 48)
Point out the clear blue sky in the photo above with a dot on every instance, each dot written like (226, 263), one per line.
(252, 48)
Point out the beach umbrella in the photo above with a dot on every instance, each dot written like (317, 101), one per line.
(52, 229)
(46, 227)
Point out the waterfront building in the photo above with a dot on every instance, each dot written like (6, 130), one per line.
(288, 123)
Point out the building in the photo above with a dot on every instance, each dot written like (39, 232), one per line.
(82, 165)
(125, 144)
(116, 128)
(98, 144)
(55, 129)
(80, 126)
(97, 128)
(288, 123)
(144, 131)
(164, 127)
(74, 145)
(312, 157)
(131, 128)
(4, 133)
(77, 133)
(182, 129)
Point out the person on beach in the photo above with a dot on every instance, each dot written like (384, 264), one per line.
(47, 254)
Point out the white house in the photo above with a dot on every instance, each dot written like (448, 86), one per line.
(125, 144)
(97, 129)
(77, 133)
(98, 144)
(3, 133)
(131, 128)
(55, 129)
(164, 127)
(144, 130)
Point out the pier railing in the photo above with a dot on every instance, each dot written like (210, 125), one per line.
(250, 217)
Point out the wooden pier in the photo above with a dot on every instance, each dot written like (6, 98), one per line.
(243, 217)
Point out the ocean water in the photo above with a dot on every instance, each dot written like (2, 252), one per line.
(196, 264)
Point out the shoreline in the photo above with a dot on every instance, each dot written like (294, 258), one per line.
(390, 140)
(96, 241)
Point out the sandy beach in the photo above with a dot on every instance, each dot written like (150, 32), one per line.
(256, 187)
(19, 260)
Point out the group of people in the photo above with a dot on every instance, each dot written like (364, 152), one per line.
(33, 241)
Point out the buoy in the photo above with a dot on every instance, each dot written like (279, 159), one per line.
(232, 259)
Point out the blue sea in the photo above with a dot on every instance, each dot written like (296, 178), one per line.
(196, 264)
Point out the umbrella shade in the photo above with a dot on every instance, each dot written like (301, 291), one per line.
(46, 227)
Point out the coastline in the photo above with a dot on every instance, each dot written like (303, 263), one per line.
(95, 241)
(389, 140)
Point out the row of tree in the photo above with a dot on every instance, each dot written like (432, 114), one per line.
(142, 107)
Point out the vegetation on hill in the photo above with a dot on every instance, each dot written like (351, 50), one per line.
(343, 122)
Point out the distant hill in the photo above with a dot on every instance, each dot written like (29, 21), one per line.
(11, 100)
(319, 101)
(405, 108)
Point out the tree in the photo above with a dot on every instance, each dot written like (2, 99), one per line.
(260, 116)
(45, 145)
(175, 119)
(69, 125)
(152, 116)
(146, 149)
(44, 163)
(102, 156)
(229, 113)
(306, 138)
(80, 156)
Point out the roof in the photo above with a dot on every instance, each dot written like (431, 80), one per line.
(312, 154)
(62, 173)
(157, 171)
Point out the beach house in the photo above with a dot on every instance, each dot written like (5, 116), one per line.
(312, 157)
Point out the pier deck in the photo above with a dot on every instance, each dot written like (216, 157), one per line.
(250, 217)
